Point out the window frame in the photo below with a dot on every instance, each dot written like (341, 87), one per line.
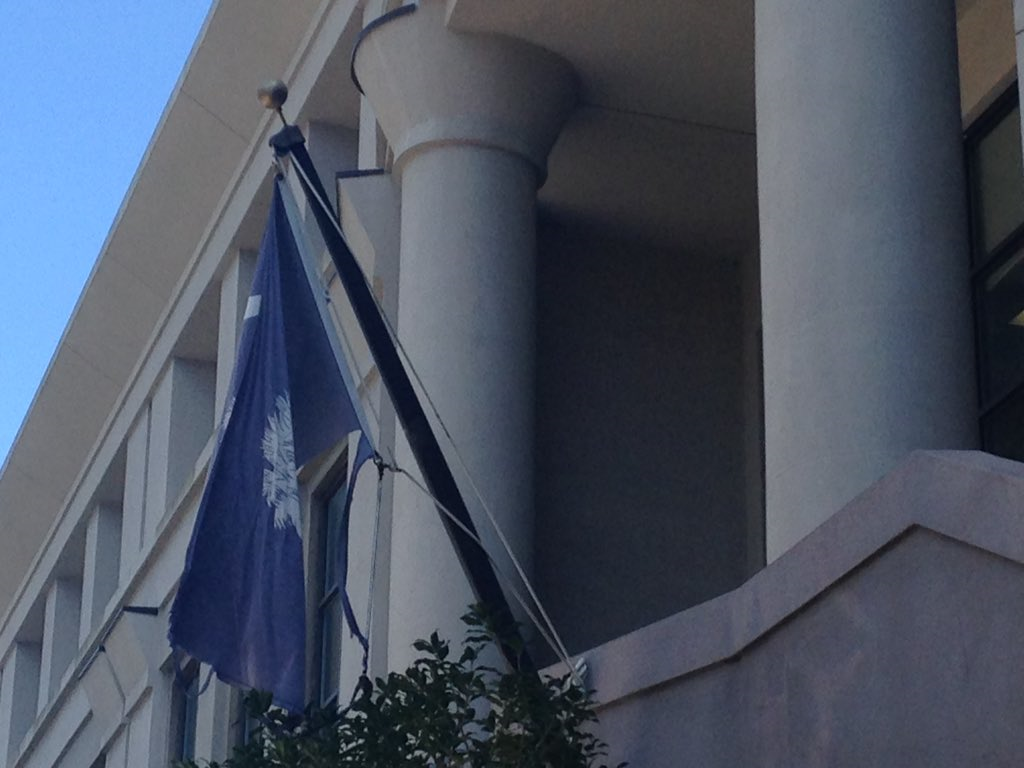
(320, 594)
(982, 127)
(184, 711)
(983, 264)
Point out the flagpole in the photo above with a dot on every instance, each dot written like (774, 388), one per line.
(437, 475)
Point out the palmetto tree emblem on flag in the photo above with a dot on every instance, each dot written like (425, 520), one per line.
(280, 485)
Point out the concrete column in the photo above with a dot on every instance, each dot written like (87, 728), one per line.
(134, 499)
(371, 143)
(61, 620)
(181, 422)
(470, 120)
(102, 560)
(19, 685)
(864, 254)
(235, 287)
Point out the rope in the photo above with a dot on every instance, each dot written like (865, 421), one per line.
(376, 543)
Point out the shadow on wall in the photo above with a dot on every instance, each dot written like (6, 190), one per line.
(641, 505)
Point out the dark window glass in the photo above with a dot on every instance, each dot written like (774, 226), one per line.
(243, 725)
(1002, 428)
(330, 612)
(993, 147)
(997, 182)
(185, 708)
(330, 646)
(188, 736)
(1000, 302)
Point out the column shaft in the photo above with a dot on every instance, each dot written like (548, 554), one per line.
(62, 614)
(466, 316)
(470, 119)
(19, 686)
(102, 563)
(864, 261)
(134, 499)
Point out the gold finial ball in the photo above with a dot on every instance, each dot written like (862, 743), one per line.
(273, 94)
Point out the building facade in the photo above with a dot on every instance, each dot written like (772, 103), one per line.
(720, 303)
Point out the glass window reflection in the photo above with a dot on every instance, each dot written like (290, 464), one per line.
(997, 184)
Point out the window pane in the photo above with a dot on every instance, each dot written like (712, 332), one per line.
(243, 725)
(332, 540)
(997, 182)
(1001, 327)
(1003, 428)
(330, 647)
(184, 707)
(188, 736)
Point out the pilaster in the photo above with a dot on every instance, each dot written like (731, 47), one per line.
(62, 616)
(19, 685)
(235, 287)
(100, 571)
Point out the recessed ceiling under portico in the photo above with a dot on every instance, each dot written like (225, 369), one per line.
(661, 146)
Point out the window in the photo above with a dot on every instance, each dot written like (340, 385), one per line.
(994, 157)
(329, 626)
(243, 725)
(184, 708)
(996, 176)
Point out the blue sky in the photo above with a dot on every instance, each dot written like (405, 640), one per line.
(85, 83)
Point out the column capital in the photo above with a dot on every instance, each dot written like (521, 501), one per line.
(431, 86)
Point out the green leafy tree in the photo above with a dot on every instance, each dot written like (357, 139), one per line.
(444, 711)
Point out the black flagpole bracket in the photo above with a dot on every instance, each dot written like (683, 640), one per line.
(143, 610)
(285, 140)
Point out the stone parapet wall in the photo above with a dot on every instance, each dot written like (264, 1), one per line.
(890, 636)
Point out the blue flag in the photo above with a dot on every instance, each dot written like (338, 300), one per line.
(240, 605)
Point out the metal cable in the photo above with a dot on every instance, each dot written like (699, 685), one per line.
(373, 553)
